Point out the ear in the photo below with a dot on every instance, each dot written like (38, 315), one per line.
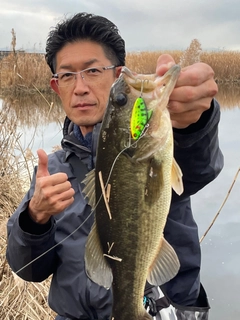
(118, 71)
(54, 86)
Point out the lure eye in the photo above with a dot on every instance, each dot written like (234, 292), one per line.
(121, 99)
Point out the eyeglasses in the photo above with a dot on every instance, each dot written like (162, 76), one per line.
(92, 75)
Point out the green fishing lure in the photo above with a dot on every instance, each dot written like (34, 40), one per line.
(139, 119)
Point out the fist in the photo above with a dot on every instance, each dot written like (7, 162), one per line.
(192, 94)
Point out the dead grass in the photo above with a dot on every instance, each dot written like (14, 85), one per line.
(21, 72)
(225, 65)
(18, 299)
(24, 72)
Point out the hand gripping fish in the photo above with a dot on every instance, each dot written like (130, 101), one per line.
(130, 190)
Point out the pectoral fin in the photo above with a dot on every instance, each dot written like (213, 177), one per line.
(89, 189)
(176, 177)
(165, 266)
(96, 265)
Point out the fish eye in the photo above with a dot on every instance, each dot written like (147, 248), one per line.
(121, 99)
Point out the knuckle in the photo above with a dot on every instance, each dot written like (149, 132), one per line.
(41, 182)
(63, 176)
(194, 78)
(173, 107)
(46, 194)
(190, 93)
(214, 89)
(64, 204)
(68, 184)
(52, 201)
(195, 118)
(211, 88)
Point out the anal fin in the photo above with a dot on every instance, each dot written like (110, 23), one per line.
(165, 266)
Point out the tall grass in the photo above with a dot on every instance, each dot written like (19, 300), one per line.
(225, 64)
(29, 72)
(18, 299)
(24, 72)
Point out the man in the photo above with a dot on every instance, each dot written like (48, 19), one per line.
(54, 207)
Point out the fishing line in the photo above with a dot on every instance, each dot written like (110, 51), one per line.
(60, 242)
(41, 255)
(124, 149)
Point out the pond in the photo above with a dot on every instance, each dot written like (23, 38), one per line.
(40, 125)
(220, 248)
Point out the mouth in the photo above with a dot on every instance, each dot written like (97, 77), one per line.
(84, 106)
(146, 83)
(140, 82)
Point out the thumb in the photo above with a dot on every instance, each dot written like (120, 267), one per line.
(164, 63)
(42, 170)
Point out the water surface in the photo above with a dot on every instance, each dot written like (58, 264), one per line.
(220, 247)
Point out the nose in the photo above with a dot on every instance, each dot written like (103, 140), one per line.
(80, 85)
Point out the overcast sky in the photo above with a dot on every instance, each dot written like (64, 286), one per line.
(144, 24)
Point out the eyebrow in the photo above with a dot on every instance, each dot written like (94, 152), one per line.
(85, 65)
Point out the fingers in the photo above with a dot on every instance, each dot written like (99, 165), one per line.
(185, 113)
(54, 185)
(192, 93)
(195, 75)
(55, 202)
(181, 120)
(56, 179)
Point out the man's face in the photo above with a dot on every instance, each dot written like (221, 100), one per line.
(84, 102)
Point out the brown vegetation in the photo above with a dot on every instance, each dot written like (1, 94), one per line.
(18, 299)
(29, 71)
(21, 72)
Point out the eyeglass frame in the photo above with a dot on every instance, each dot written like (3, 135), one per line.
(56, 75)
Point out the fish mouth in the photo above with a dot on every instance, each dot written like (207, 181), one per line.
(146, 83)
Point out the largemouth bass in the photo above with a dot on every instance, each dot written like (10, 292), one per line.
(131, 192)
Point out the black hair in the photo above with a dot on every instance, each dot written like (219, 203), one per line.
(85, 26)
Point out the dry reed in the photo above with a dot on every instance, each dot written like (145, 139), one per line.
(18, 299)
(21, 72)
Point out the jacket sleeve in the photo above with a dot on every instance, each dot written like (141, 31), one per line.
(197, 152)
(29, 254)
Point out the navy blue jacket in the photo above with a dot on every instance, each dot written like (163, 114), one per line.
(72, 293)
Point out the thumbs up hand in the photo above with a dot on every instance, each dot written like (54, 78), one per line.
(53, 193)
